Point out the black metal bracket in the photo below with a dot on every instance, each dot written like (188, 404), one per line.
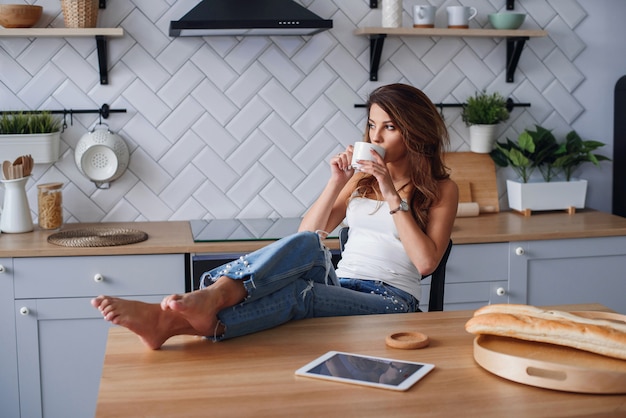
(510, 105)
(376, 50)
(373, 4)
(510, 4)
(101, 44)
(514, 48)
(103, 4)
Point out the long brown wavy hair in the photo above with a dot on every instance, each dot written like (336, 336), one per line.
(425, 135)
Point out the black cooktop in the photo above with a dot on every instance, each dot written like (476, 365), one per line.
(244, 229)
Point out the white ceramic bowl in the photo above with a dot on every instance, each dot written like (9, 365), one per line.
(101, 155)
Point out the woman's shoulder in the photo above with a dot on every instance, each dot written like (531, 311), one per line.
(448, 185)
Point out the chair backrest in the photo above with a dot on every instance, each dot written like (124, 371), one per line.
(438, 277)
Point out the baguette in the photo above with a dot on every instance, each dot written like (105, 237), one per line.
(530, 323)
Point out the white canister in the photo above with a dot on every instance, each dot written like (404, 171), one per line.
(392, 13)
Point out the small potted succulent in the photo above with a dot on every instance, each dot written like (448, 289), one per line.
(482, 113)
(555, 188)
(37, 134)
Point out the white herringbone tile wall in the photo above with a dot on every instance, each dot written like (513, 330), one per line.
(223, 127)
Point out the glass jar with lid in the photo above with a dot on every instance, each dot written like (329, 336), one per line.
(50, 204)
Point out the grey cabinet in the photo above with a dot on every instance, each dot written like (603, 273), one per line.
(9, 398)
(544, 272)
(476, 275)
(61, 338)
(569, 271)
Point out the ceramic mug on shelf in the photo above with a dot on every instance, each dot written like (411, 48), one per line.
(459, 16)
(424, 16)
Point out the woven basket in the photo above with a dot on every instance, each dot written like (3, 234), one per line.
(80, 13)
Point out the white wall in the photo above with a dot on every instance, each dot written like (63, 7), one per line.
(603, 62)
(243, 127)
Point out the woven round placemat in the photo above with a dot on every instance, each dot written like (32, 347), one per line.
(97, 237)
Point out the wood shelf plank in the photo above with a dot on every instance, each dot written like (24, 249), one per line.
(485, 33)
(60, 32)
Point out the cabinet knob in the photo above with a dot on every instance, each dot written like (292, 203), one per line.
(98, 278)
(501, 291)
(2, 270)
(519, 251)
(24, 310)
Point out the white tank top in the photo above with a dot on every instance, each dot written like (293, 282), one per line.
(374, 250)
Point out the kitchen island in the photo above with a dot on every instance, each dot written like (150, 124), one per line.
(53, 341)
(254, 375)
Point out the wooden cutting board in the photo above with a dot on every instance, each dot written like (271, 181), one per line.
(475, 174)
(552, 366)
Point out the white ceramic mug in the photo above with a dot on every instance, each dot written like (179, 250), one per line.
(424, 16)
(362, 152)
(459, 16)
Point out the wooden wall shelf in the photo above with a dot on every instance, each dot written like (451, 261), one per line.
(515, 42)
(101, 35)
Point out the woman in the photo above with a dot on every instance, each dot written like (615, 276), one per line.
(400, 210)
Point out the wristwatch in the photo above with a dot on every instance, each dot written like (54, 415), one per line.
(404, 207)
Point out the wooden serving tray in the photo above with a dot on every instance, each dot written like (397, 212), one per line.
(552, 366)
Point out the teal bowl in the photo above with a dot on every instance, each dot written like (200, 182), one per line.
(507, 20)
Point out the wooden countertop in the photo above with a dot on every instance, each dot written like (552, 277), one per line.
(254, 375)
(175, 236)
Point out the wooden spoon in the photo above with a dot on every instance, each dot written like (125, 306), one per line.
(6, 170)
(27, 165)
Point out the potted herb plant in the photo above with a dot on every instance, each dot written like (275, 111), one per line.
(37, 134)
(482, 113)
(555, 188)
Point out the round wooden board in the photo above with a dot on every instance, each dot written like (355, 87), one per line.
(552, 366)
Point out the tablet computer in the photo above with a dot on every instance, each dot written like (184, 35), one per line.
(364, 370)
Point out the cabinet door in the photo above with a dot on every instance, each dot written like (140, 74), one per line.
(476, 275)
(8, 349)
(589, 270)
(61, 345)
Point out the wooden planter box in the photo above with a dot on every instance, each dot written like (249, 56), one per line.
(554, 195)
(44, 148)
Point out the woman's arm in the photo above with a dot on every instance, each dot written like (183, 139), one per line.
(425, 249)
(330, 207)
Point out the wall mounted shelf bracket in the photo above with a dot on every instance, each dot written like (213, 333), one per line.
(101, 45)
(376, 50)
(514, 46)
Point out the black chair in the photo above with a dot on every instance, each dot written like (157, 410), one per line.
(438, 277)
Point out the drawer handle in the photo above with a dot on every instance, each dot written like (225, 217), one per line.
(501, 291)
(98, 278)
(2, 270)
(519, 251)
(24, 310)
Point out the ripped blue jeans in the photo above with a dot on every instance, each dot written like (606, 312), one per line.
(293, 278)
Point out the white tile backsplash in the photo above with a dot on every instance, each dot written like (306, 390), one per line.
(222, 127)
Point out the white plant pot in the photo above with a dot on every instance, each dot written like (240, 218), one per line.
(482, 138)
(44, 148)
(540, 195)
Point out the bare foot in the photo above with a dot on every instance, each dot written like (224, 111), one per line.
(152, 324)
(200, 307)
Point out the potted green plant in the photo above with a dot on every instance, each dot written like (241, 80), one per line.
(37, 134)
(574, 152)
(482, 113)
(555, 188)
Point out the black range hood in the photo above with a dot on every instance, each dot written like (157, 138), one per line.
(248, 17)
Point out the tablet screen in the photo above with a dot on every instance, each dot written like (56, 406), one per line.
(366, 370)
